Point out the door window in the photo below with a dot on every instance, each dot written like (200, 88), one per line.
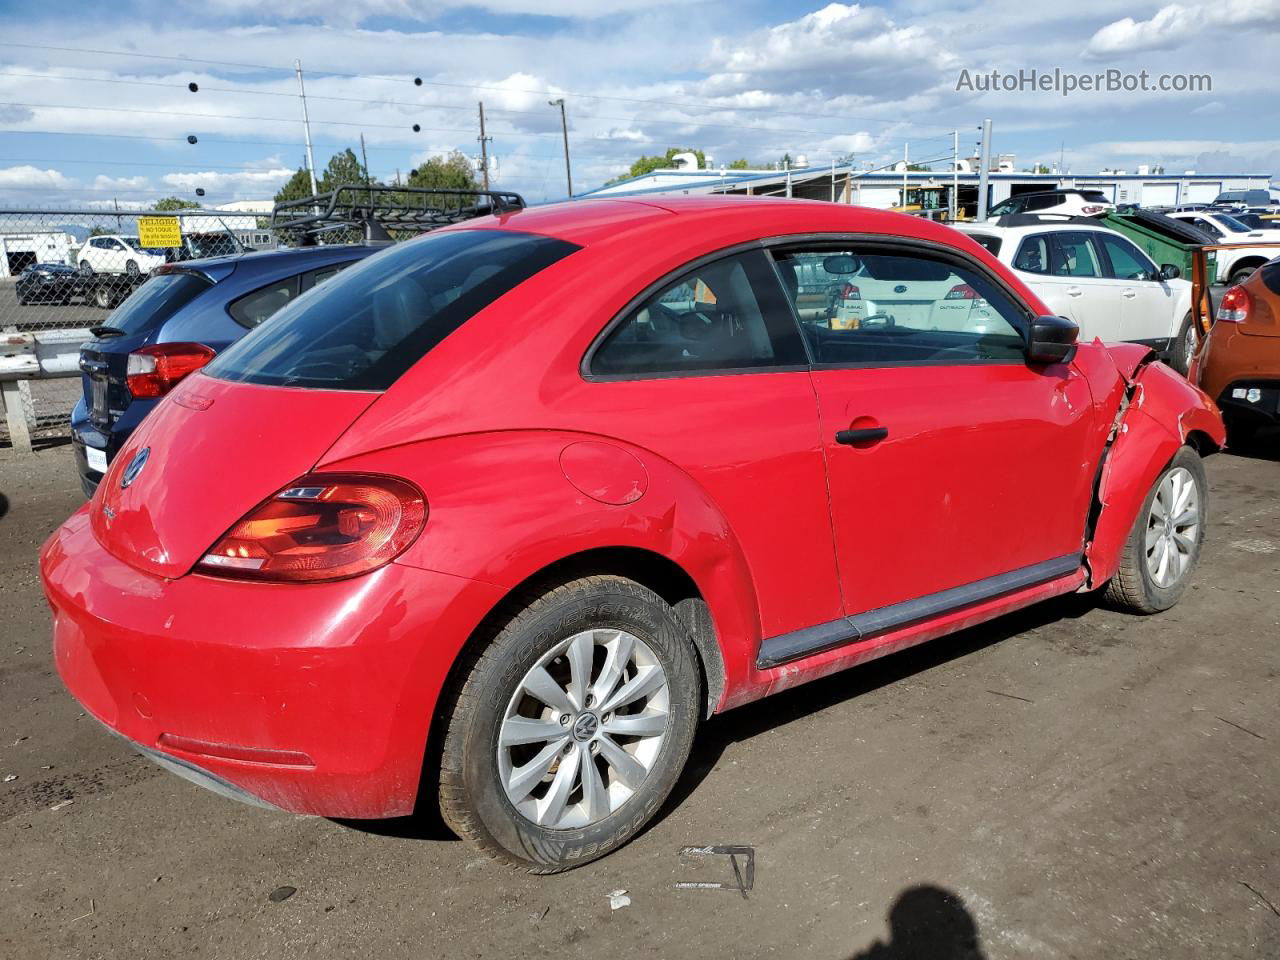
(1072, 255)
(884, 309)
(722, 316)
(1127, 261)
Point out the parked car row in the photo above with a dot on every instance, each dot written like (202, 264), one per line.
(58, 283)
(496, 516)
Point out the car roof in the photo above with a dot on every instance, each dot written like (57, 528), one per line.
(731, 219)
(285, 256)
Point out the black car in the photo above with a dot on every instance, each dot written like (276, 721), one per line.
(49, 283)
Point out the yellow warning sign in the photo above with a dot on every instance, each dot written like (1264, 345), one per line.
(159, 232)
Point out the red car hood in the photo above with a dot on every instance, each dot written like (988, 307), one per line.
(213, 451)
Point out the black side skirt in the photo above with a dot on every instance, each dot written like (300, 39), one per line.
(837, 633)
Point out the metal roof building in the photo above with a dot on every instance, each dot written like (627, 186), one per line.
(847, 184)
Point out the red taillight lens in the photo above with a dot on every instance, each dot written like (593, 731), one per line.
(154, 371)
(321, 527)
(1235, 305)
(850, 292)
(1089, 209)
(962, 291)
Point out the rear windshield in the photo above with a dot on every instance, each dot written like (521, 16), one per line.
(992, 244)
(156, 301)
(368, 325)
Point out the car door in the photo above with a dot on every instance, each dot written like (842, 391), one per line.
(708, 372)
(1075, 261)
(1148, 301)
(956, 471)
(1055, 277)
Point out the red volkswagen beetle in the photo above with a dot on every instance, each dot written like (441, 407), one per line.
(513, 505)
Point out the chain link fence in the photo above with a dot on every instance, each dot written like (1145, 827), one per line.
(62, 272)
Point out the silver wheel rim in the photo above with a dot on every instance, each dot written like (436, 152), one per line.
(1190, 345)
(583, 729)
(1173, 527)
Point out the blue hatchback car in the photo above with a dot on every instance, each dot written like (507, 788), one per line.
(175, 323)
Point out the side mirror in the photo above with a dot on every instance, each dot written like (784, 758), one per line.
(1051, 340)
(1169, 271)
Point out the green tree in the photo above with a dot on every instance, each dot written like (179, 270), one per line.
(100, 231)
(343, 168)
(175, 203)
(298, 187)
(453, 172)
(659, 161)
(740, 164)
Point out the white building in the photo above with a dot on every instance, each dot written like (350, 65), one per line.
(884, 189)
(20, 248)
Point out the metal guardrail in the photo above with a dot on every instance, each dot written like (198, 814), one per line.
(47, 354)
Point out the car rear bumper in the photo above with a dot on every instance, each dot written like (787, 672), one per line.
(1239, 361)
(314, 698)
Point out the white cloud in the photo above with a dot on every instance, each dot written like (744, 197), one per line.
(102, 182)
(27, 176)
(1176, 24)
(256, 181)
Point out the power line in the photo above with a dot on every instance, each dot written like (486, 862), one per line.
(418, 81)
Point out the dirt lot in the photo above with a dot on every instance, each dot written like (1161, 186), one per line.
(1072, 782)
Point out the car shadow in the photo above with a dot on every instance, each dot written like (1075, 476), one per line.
(779, 710)
(1263, 445)
(927, 922)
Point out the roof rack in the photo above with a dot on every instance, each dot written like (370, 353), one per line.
(384, 211)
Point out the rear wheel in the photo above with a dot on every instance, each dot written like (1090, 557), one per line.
(103, 298)
(85, 268)
(1164, 546)
(571, 726)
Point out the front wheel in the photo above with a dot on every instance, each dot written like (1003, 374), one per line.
(571, 726)
(1184, 346)
(131, 268)
(1164, 547)
(1241, 275)
(86, 269)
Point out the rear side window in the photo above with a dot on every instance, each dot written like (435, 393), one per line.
(251, 309)
(989, 243)
(365, 327)
(1127, 261)
(724, 315)
(1072, 255)
(1033, 254)
(156, 301)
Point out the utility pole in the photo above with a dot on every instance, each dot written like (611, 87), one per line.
(564, 131)
(833, 181)
(984, 162)
(906, 162)
(953, 208)
(364, 158)
(484, 149)
(306, 127)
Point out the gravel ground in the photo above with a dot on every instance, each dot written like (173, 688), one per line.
(1068, 782)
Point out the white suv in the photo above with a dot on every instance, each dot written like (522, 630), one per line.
(116, 253)
(1234, 265)
(1098, 278)
(1080, 203)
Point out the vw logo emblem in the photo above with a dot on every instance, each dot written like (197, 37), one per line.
(585, 727)
(900, 288)
(135, 467)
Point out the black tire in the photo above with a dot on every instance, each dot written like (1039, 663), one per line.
(131, 268)
(1181, 352)
(102, 297)
(473, 800)
(1133, 588)
(1240, 275)
(85, 269)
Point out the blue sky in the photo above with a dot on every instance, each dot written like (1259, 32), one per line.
(106, 116)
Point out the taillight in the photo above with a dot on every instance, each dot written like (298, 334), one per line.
(154, 371)
(1235, 305)
(962, 291)
(321, 527)
(850, 292)
(1089, 210)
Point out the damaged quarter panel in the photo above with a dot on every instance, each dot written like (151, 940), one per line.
(1160, 413)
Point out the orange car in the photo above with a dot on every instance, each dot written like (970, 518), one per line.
(1239, 367)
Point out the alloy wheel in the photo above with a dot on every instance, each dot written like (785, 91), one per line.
(1173, 527)
(583, 729)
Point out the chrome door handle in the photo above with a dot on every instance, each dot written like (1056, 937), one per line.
(1128, 293)
(1074, 291)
